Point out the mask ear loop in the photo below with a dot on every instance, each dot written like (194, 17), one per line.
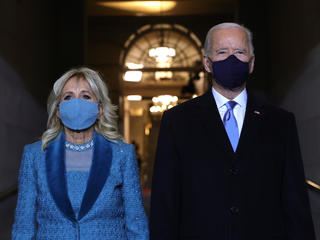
(249, 62)
(209, 59)
(250, 59)
(100, 105)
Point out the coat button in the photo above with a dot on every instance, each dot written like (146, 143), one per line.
(234, 210)
(234, 171)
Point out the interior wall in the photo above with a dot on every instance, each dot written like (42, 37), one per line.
(24, 57)
(39, 40)
(294, 26)
(287, 34)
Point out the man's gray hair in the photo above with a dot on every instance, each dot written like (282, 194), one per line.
(227, 25)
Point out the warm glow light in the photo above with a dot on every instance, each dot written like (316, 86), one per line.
(132, 76)
(163, 57)
(162, 103)
(137, 112)
(148, 7)
(162, 51)
(163, 75)
(164, 64)
(134, 97)
(165, 99)
(162, 54)
(147, 129)
(313, 184)
(134, 66)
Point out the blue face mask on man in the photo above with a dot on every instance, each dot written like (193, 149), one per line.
(231, 72)
(78, 114)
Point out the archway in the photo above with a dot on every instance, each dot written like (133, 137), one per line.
(162, 68)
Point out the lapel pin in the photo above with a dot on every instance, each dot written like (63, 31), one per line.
(256, 112)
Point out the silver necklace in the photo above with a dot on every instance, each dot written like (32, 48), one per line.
(79, 147)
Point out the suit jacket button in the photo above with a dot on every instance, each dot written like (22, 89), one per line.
(234, 171)
(234, 210)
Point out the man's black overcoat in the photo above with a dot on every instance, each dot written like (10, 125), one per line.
(203, 190)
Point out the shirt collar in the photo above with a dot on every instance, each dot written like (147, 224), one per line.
(241, 99)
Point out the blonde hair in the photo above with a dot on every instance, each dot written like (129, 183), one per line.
(227, 25)
(106, 125)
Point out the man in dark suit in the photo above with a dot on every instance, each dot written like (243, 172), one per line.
(228, 165)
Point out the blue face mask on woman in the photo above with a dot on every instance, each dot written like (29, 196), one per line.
(78, 114)
(231, 72)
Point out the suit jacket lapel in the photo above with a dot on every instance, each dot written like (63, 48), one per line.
(102, 157)
(55, 167)
(214, 128)
(252, 124)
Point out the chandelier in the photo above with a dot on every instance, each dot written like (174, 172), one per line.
(162, 103)
(163, 57)
(162, 54)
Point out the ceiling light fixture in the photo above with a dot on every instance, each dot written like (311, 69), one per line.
(133, 76)
(134, 97)
(146, 7)
(162, 54)
(162, 103)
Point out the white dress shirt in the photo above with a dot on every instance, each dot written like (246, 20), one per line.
(239, 109)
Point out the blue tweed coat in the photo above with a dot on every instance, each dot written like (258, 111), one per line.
(111, 207)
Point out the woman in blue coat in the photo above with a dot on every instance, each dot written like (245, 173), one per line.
(80, 181)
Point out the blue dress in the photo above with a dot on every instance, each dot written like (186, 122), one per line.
(111, 202)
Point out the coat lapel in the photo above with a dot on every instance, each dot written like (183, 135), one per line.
(214, 128)
(251, 129)
(102, 157)
(55, 167)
